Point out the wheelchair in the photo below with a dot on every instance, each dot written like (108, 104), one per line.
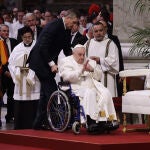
(64, 112)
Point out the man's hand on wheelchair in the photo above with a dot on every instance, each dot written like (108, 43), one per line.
(54, 68)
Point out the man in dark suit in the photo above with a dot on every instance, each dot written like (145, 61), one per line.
(7, 82)
(43, 58)
(75, 35)
(30, 20)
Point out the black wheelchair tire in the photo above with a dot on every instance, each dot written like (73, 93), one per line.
(58, 116)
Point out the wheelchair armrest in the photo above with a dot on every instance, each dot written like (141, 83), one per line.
(62, 83)
(64, 86)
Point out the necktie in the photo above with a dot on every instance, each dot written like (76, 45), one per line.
(5, 43)
(72, 37)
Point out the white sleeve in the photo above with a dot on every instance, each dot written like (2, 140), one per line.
(112, 60)
(67, 72)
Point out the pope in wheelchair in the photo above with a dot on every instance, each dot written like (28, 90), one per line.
(95, 101)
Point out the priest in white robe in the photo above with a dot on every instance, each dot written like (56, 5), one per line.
(27, 85)
(105, 53)
(85, 76)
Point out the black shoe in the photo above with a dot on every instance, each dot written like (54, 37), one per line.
(42, 127)
(111, 125)
(9, 120)
(95, 129)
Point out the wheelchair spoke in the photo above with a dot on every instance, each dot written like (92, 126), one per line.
(58, 111)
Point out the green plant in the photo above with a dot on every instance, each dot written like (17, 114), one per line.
(142, 6)
(141, 42)
(141, 37)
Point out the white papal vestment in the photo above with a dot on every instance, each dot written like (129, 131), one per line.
(94, 97)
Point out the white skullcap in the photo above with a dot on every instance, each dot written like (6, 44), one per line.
(78, 46)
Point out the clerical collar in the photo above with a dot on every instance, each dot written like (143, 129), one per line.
(28, 45)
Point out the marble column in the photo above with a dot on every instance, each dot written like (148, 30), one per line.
(124, 23)
(125, 20)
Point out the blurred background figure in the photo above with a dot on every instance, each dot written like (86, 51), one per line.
(3, 61)
(75, 35)
(8, 21)
(48, 17)
(83, 24)
(63, 13)
(14, 14)
(30, 20)
(18, 24)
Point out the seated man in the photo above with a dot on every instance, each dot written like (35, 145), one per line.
(84, 75)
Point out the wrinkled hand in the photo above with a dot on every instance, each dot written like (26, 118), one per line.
(87, 67)
(97, 59)
(54, 68)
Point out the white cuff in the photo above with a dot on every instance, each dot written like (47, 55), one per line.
(17, 74)
(51, 63)
(31, 77)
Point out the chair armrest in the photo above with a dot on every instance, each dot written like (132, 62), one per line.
(134, 72)
(135, 75)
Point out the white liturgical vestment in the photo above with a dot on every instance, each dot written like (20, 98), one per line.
(27, 85)
(109, 63)
(94, 97)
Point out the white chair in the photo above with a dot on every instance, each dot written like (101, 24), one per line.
(137, 101)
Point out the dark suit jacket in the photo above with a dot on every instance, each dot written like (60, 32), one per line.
(51, 41)
(76, 39)
(83, 39)
(7, 83)
(13, 43)
(19, 39)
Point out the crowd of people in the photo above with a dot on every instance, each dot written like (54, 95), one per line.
(30, 46)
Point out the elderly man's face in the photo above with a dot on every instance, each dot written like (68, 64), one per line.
(30, 21)
(98, 32)
(4, 32)
(79, 55)
(70, 21)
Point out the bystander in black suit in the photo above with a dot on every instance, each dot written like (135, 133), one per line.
(75, 35)
(43, 58)
(31, 22)
(7, 82)
(78, 38)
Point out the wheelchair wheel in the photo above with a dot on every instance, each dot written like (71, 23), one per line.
(76, 127)
(58, 111)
